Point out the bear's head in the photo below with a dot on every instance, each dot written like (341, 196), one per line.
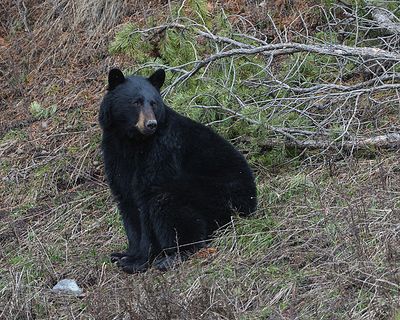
(133, 106)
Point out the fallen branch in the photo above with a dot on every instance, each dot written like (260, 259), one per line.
(384, 19)
(390, 140)
(365, 86)
(286, 48)
(273, 50)
(281, 48)
(387, 141)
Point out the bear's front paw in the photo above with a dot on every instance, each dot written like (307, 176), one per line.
(116, 256)
(131, 264)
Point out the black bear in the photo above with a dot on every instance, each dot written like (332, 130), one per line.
(175, 180)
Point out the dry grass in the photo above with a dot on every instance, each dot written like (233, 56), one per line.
(325, 248)
(324, 244)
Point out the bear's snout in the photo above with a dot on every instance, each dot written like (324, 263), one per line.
(151, 125)
(147, 123)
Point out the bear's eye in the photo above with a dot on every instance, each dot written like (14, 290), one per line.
(153, 104)
(135, 104)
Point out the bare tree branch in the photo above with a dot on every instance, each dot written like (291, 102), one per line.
(384, 18)
(386, 141)
(287, 48)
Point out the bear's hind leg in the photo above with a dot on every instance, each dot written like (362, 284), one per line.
(180, 231)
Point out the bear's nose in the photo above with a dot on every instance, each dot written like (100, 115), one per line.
(151, 124)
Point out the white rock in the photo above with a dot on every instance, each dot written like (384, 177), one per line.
(67, 286)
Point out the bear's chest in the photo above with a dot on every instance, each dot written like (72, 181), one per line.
(134, 171)
(156, 166)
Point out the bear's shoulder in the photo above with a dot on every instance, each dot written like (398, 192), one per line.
(196, 137)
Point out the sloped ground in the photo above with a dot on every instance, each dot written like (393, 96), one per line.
(324, 244)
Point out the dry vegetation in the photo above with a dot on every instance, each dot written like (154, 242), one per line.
(325, 241)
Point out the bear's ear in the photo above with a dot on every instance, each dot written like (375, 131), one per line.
(157, 78)
(115, 78)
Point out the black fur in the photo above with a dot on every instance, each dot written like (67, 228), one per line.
(175, 184)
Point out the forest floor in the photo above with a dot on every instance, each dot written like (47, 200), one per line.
(324, 243)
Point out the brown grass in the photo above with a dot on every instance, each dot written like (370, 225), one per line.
(324, 245)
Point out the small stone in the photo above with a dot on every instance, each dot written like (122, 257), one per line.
(44, 124)
(67, 286)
